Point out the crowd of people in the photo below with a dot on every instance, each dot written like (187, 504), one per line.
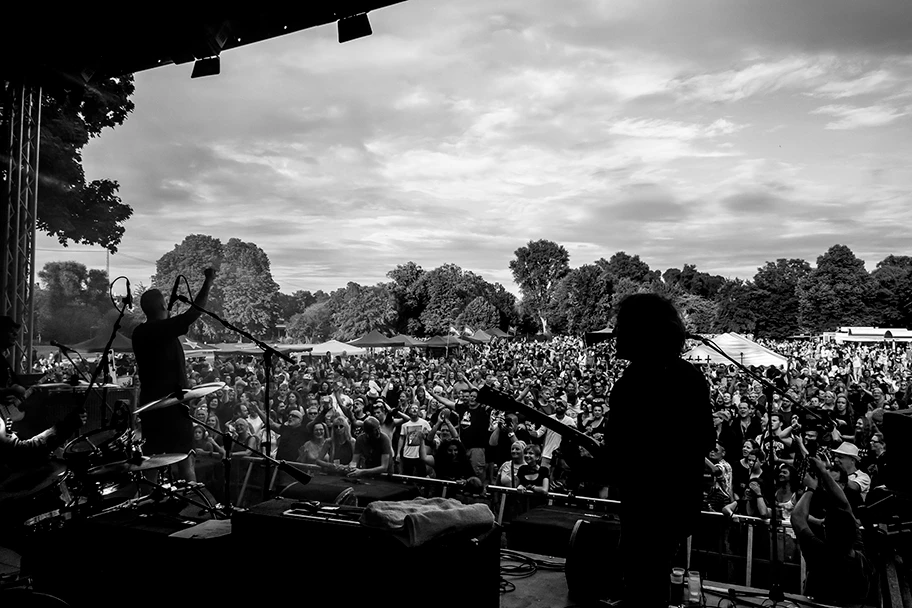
(415, 412)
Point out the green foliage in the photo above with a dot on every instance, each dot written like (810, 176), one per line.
(358, 310)
(244, 292)
(893, 296)
(622, 266)
(190, 258)
(774, 297)
(71, 301)
(479, 314)
(537, 269)
(838, 292)
(248, 291)
(692, 281)
(733, 308)
(313, 325)
(69, 208)
(582, 300)
(405, 289)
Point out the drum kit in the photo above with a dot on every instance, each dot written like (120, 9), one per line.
(96, 473)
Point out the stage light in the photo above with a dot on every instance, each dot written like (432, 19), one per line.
(354, 27)
(210, 66)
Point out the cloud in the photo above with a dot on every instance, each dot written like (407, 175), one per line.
(658, 128)
(851, 117)
(755, 79)
(684, 132)
(869, 83)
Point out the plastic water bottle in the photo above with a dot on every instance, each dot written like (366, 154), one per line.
(676, 587)
(694, 588)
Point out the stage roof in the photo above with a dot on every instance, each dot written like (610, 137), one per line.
(70, 41)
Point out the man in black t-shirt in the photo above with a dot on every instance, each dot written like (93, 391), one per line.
(162, 370)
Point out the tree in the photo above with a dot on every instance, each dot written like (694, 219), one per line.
(774, 297)
(839, 291)
(479, 314)
(693, 281)
(248, 290)
(404, 287)
(698, 313)
(69, 208)
(582, 301)
(189, 258)
(70, 302)
(312, 325)
(893, 296)
(358, 310)
(445, 292)
(733, 308)
(623, 266)
(537, 269)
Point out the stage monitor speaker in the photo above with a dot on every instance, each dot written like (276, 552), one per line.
(593, 572)
(897, 430)
(364, 564)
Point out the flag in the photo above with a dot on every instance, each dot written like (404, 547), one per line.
(468, 331)
(454, 331)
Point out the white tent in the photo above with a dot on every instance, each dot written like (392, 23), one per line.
(739, 348)
(334, 347)
(872, 334)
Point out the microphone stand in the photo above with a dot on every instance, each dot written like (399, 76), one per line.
(268, 353)
(776, 595)
(281, 465)
(65, 351)
(104, 364)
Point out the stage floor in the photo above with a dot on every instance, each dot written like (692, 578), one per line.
(549, 588)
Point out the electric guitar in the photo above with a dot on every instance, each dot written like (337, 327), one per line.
(590, 462)
(13, 411)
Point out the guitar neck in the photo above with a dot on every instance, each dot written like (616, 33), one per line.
(501, 401)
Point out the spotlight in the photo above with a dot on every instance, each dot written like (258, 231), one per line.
(357, 26)
(206, 67)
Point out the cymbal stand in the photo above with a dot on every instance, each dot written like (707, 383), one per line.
(283, 466)
(268, 353)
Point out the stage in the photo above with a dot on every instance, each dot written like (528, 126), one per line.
(548, 588)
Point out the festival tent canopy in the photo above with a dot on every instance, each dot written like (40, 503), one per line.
(496, 332)
(444, 342)
(407, 340)
(334, 347)
(739, 348)
(97, 344)
(375, 339)
(479, 337)
(193, 348)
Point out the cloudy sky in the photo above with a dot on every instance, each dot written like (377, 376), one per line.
(721, 133)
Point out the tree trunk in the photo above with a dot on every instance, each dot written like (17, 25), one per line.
(544, 324)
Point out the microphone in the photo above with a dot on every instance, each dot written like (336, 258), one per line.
(62, 347)
(128, 299)
(173, 298)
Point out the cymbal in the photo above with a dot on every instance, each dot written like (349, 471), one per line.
(31, 480)
(148, 462)
(182, 396)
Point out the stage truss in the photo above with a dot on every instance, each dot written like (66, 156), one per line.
(21, 122)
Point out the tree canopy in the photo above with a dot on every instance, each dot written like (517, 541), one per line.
(69, 208)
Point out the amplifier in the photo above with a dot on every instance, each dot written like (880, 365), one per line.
(363, 564)
(47, 406)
